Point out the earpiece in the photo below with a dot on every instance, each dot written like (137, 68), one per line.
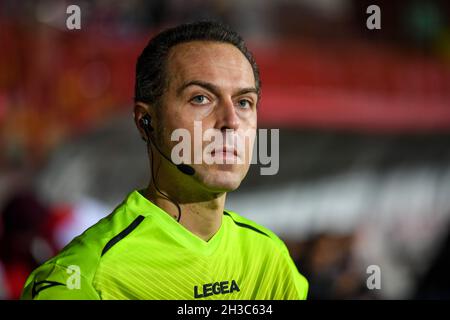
(146, 123)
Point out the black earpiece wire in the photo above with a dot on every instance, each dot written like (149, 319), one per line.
(149, 141)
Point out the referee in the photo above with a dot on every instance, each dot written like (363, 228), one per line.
(175, 240)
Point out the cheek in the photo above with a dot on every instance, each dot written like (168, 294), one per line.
(175, 121)
(202, 113)
(248, 140)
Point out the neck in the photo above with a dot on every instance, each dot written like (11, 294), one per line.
(202, 216)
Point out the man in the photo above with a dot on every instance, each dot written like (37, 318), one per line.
(174, 240)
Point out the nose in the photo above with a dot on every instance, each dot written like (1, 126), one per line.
(227, 117)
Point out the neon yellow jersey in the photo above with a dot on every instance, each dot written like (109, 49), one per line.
(140, 252)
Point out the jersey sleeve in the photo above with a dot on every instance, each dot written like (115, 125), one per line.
(55, 282)
(300, 282)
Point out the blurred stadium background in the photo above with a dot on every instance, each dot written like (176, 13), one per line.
(364, 119)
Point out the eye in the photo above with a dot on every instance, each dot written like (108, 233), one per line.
(244, 103)
(200, 100)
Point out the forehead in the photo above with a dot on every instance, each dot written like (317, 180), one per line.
(219, 63)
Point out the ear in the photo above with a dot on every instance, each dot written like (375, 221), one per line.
(140, 110)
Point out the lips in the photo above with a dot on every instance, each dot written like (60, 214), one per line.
(225, 150)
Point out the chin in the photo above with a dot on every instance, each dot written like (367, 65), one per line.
(222, 181)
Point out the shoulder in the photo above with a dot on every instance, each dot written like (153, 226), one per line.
(83, 254)
(92, 243)
(273, 246)
(250, 225)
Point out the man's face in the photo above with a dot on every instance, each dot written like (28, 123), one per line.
(211, 87)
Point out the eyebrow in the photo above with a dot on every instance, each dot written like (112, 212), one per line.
(213, 88)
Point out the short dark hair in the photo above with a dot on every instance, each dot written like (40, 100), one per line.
(151, 78)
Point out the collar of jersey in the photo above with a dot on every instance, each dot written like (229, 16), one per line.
(140, 204)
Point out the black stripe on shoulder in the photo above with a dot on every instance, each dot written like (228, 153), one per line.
(122, 234)
(244, 225)
(42, 286)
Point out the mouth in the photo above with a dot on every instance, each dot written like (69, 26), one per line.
(225, 152)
